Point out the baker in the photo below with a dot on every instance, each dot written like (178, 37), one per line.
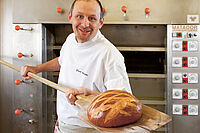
(88, 64)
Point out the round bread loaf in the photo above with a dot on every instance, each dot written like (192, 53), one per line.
(114, 108)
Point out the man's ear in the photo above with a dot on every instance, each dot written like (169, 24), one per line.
(101, 23)
(69, 16)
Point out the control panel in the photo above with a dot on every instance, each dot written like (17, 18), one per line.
(190, 78)
(184, 93)
(184, 61)
(183, 71)
(184, 45)
(179, 109)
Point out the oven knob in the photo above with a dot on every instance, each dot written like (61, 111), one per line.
(192, 110)
(17, 28)
(192, 78)
(177, 93)
(124, 8)
(18, 111)
(177, 109)
(59, 10)
(177, 77)
(192, 45)
(20, 55)
(17, 81)
(194, 62)
(177, 62)
(193, 93)
(177, 46)
(147, 10)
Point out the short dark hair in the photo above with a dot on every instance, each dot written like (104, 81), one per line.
(101, 14)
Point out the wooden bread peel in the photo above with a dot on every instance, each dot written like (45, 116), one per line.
(151, 119)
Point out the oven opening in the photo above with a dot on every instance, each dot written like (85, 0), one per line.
(144, 62)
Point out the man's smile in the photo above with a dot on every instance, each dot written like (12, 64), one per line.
(84, 30)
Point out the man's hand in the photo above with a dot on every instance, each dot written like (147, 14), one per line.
(25, 69)
(50, 66)
(71, 94)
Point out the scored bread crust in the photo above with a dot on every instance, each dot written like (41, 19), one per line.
(114, 108)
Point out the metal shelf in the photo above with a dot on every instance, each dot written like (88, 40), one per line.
(129, 48)
(153, 102)
(57, 47)
(55, 73)
(159, 49)
(145, 75)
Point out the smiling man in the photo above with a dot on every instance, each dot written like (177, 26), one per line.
(86, 21)
(88, 64)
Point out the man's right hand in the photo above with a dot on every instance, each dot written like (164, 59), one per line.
(52, 65)
(25, 69)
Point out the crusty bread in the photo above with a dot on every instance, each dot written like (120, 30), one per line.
(114, 108)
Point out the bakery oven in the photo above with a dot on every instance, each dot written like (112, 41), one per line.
(161, 61)
(162, 65)
(144, 50)
(157, 39)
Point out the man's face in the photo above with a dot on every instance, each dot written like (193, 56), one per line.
(85, 20)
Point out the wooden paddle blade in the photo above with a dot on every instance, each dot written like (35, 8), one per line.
(151, 119)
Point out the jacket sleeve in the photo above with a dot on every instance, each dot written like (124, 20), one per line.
(116, 77)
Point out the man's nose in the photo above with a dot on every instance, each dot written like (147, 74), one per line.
(85, 22)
